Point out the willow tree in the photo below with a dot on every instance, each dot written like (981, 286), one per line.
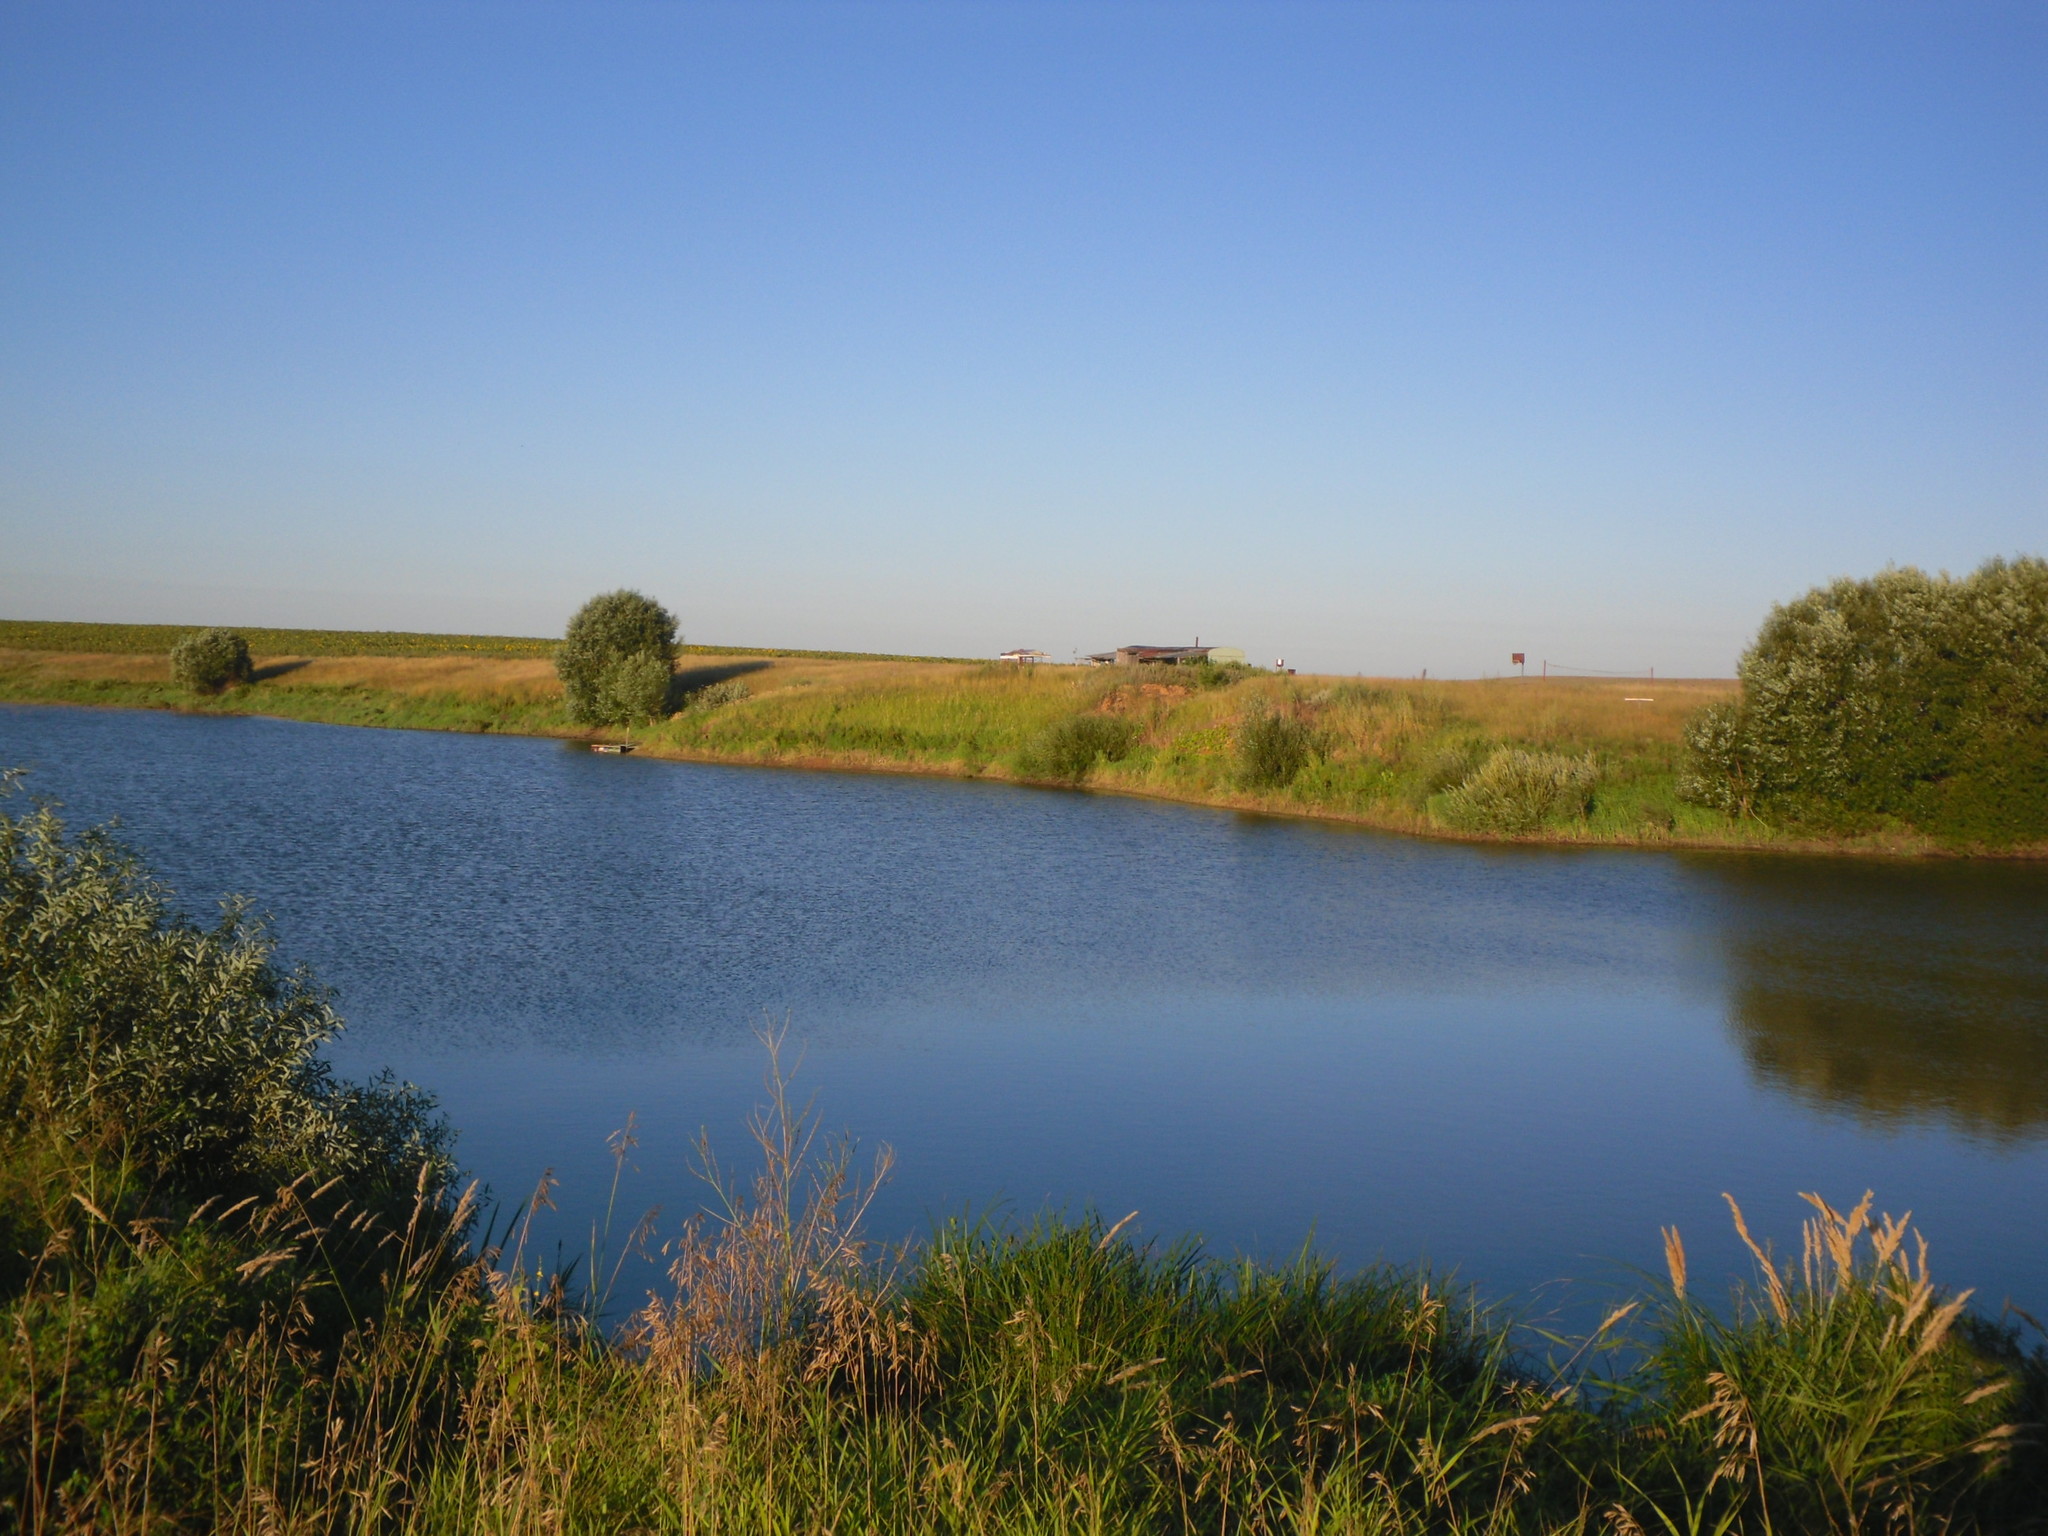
(616, 658)
(1902, 700)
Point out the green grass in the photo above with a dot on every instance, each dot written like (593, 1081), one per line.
(227, 1304)
(1385, 753)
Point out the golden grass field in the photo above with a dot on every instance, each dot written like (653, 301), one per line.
(476, 677)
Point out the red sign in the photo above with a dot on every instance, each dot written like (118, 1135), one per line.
(1517, 658)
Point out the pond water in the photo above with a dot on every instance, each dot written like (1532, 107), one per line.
(1514, 1063)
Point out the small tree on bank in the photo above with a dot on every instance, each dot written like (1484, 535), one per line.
(616, 658)
(208, 660)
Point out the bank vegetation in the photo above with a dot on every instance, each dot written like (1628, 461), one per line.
(1388, 753)
(1900, 714)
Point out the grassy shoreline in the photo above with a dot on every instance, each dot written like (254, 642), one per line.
(1387, 750)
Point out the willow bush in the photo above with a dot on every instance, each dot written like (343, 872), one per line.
(733, 690)
(1903, 700)
(1068, 749)
(633, 689)
(189, 1046)
(1519, 791)
(1445, 766)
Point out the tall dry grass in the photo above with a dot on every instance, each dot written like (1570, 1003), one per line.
(228, 1368)
(1843, 1391)
(1062, 1375)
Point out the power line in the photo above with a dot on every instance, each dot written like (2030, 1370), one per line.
(1558, 666)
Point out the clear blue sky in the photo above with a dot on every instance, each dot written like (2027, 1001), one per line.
(1380, 336)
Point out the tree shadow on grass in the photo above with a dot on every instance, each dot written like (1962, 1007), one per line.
(278, 669)
(690, 679)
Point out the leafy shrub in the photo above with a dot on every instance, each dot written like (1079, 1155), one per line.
(1200, 676)
(208, 660)
(1212, 674)
(219, 1256)
(1271, 748)
(633, 688)
(1068, 749)
(1518, 791)
(605, 631)
(1906, 698)
(1718, 770)
(188, 1044)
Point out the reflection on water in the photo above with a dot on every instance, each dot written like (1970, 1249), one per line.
(1895, 994)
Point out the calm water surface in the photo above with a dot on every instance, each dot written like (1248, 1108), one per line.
(1517, 1063)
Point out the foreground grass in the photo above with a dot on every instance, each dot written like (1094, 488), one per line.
(1054, 1378)
(226, 1305)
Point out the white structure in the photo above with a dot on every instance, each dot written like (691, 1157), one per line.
(1023, 658)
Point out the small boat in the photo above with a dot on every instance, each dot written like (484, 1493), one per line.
(611, 746)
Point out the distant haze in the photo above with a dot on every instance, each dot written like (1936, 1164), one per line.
(1374, 336)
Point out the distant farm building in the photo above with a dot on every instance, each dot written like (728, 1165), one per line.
(1167, 656)
(1024, 657)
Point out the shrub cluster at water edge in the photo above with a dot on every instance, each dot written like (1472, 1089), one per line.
(208, 660)
(1519, 791)
(224, 1273)
(1906, 699)
(616, 658)
(1067, 749)
(1200, 676)
(1271, 747)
